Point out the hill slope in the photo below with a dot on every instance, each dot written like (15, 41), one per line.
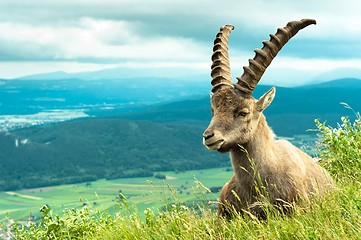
(90, 149)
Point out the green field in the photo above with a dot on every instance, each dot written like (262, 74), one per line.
(102, 194)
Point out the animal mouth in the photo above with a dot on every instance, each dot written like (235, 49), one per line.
(214, 145)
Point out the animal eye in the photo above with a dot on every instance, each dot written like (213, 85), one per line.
(242, 114)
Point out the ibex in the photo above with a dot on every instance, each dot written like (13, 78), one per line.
(239, 126)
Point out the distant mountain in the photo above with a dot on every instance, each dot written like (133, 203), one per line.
(120, 73)
(59, 75)
(116, 73)
(338, 73)
(348, 83)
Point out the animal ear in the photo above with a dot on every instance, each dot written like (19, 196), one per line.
(266, 99)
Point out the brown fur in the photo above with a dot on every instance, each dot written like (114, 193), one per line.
(238, 126)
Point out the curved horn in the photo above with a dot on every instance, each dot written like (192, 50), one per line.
(263, 58)
(220, 69)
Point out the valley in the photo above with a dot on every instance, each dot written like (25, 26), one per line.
(72, 131)
(104, 195)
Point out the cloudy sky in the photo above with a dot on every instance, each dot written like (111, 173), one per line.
(40, 36)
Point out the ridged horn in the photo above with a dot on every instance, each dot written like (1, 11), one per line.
(220, 69)
(263, 58)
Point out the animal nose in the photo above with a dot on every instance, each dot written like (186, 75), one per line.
(208, 134)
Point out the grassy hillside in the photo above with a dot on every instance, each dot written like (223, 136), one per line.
(336, 216)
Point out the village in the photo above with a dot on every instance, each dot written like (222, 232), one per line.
(12, 122)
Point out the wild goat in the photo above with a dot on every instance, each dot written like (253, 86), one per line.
(238, 126)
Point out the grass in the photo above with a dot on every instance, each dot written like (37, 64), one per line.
(336, 216)
(102, 194)
(327, 220)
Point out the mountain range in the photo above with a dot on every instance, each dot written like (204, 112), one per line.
(190, 76)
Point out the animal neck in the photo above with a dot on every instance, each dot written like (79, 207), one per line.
(253, 151)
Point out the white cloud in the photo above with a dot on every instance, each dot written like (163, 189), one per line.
(88, 35)
(96, 39)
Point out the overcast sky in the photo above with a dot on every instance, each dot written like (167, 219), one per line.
(86, 35)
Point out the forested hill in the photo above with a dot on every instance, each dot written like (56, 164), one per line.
(90, 149)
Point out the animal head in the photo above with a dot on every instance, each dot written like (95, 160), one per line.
(236, 113)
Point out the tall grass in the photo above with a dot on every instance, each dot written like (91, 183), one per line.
(336, 216)
(340, 148)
